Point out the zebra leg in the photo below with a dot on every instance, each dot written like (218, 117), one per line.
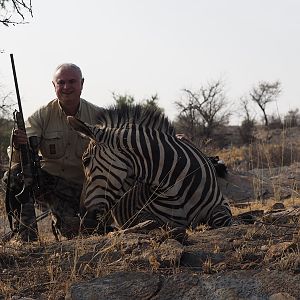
(220, 216)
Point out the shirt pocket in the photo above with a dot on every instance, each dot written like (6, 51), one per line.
(53, 145)
(82, 143)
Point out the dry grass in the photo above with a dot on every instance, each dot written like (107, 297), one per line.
(265, 205)
(46, 269)
(260, 156)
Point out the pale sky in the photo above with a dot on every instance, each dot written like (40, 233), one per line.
(143, 47)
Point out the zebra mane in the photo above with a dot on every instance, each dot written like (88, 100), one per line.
(122, 116)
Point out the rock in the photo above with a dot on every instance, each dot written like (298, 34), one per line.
(154, 254)
(236, 187)
(169, 253)
(249, 217)
(196, 259)
(227, 294)
(281, 296)
(181, 286)
(278, 205)
(21, 298)
(117, 286)
(282, 217)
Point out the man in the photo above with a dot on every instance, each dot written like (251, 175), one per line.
(61, 148)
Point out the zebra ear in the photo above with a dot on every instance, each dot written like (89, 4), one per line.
(81, 127)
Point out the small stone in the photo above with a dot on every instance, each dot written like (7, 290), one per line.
(226, 294)
(281, 296)
(278, 205)
(21, 298)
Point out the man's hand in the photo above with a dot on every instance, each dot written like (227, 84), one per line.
(19, 138)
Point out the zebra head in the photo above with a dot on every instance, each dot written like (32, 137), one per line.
(104, 171)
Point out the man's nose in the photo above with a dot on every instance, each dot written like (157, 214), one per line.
(66, 85)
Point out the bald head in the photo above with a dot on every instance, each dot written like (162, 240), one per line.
(67, 66)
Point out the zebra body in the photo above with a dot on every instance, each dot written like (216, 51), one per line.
(136, 169)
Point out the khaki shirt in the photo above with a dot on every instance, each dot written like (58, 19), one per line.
(60, 145)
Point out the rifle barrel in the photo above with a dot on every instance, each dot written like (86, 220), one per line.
(16, 83)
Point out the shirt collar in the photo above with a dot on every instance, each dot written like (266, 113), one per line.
(78, 113)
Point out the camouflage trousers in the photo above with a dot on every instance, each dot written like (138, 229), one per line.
(60, 197)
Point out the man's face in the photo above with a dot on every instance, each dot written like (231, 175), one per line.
(68, 85)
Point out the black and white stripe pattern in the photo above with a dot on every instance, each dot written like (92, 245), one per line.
(136, 169)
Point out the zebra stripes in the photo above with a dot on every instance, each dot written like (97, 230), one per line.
(136, 169)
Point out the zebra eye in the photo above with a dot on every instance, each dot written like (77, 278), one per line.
(86, 160)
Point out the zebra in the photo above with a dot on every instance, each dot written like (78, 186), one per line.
(136, 169)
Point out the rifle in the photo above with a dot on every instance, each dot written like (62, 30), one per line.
(30, 176)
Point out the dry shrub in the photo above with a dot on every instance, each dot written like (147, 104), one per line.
(260, 156)
(233, 157)
(245, 253)
(289, 261)
(269, 149)
(207, 266)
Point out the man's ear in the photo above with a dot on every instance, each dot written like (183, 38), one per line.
(83, 128)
